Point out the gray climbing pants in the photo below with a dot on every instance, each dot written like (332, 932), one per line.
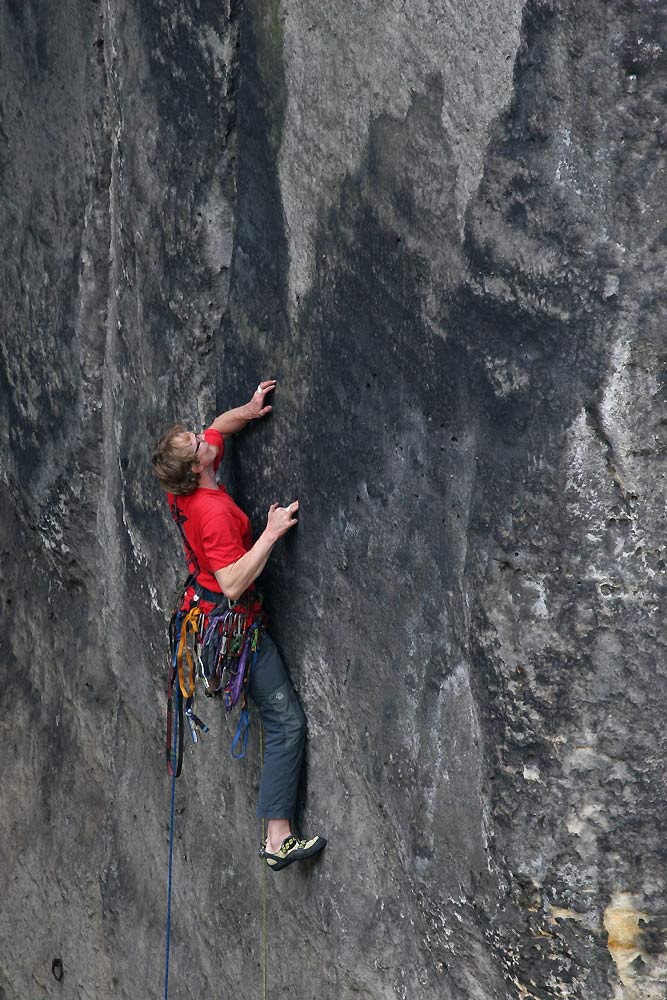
(284, 725)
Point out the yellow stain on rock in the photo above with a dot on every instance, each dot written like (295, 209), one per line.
(621, 921)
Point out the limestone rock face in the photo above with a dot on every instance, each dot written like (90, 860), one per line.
(442, 229)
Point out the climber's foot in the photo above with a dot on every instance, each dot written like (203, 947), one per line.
(291, 849)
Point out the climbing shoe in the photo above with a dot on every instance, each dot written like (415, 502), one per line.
(291, 850)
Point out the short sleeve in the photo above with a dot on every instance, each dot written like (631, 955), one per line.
(221, 540)
(215, 438)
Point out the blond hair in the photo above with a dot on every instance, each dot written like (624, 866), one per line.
(172, 465)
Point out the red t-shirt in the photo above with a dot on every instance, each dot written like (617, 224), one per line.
(216, 529)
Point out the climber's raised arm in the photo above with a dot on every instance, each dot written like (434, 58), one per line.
(235, 420)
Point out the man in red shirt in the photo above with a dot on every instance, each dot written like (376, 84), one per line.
(224, 561)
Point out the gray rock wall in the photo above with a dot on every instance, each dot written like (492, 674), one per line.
(441, 227)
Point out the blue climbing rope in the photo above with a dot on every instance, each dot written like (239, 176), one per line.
(171, 839)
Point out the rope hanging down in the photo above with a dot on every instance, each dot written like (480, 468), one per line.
(264, 870)
(175, 758)
(174, 769)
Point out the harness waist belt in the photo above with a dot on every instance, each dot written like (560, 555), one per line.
(215, 596)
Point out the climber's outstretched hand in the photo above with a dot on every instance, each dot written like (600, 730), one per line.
(257, 407)
(281, 519)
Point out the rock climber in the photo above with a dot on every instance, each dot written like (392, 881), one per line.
(224, 562)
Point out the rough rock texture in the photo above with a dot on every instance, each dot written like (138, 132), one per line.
(443, 228)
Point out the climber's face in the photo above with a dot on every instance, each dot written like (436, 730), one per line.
(202, 454)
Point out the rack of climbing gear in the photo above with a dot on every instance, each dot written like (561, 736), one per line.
(220, 647)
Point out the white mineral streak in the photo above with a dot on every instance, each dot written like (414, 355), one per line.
(584, 471)
(606, 467)
(531, 773)
(630, 386)
(347, 63)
